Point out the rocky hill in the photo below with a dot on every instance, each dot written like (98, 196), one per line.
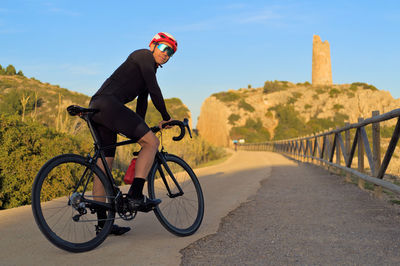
(46, 103)
(34, 101)
(282, 110)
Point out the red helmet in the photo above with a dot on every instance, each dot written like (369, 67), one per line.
(165, 37)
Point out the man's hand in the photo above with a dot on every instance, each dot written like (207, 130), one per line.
(163, 122)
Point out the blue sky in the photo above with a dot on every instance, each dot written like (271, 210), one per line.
(222, 44)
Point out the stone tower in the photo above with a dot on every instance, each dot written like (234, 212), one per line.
(321, 62)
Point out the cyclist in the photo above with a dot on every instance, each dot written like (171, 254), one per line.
(135, 78)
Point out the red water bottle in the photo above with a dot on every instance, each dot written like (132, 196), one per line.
(130, 173)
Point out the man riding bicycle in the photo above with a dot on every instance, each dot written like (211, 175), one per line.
(135, 78)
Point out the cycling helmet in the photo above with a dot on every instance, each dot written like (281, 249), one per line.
(165, 37)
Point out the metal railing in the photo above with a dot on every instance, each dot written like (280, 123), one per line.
(322, 147)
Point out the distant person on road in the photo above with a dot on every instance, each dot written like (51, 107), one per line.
(135, 78)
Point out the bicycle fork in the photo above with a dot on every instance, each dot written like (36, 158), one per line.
(161, 161)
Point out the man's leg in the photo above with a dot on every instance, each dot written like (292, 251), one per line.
(149, 143)
(98, 191)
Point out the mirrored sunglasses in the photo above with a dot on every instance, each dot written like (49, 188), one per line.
(165, 48)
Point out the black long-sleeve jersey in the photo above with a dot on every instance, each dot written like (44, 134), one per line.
(136, 77)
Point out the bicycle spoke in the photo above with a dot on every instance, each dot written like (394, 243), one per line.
(62, 201)
(181, 214)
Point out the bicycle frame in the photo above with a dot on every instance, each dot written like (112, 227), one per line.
(158, 161)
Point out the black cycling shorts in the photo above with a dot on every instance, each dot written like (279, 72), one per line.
(113, 118)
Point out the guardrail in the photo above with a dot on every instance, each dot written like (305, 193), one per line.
(323, 147)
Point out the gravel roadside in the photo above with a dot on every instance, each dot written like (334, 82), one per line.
(303, 215)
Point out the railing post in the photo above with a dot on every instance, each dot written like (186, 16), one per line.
(329, 149)
(376, 153)
(338, 157)
(313, 147)
(360, 159)
(348, 147)
(322, 156)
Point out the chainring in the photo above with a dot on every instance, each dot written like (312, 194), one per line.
(123, 208)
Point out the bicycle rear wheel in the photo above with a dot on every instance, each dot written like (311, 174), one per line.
(61, 196)
(179, 214)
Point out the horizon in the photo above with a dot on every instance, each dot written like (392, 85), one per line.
(222, 45)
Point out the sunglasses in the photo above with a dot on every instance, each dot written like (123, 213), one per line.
(165, 48)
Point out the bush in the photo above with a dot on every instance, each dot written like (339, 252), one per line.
(296, 96)
(305, 84)
(337, 107)
(291, 100)
(320, 91)
(24, 148)
(333, 93)
(273, 86)
(292, 125)
(246, 106)
(233, 118)
(253, 132)
(355, 85)
(227, 96)
(319, 124)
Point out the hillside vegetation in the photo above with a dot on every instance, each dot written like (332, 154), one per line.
(282, 110)
(36, 127)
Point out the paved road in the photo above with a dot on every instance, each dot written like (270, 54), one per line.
(273, 212)
(225, 187)
(302, 215)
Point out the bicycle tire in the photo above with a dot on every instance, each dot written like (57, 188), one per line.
(53, 203)
(181, 215)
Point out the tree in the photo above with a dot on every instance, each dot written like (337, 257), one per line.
(20, 73)
(10, 70)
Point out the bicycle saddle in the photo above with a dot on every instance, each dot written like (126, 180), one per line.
(74, 110)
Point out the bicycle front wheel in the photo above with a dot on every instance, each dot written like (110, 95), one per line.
(180, 213)
(63, 204)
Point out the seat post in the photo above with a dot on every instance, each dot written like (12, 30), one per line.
(92, 130)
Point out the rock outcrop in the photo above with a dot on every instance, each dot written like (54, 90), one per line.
(212, 122)
(219, 113)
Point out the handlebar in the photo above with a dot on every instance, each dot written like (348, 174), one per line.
(182, 125)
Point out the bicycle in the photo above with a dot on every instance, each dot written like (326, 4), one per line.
(65, 209)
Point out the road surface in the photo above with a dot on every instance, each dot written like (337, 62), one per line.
(225, 187)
